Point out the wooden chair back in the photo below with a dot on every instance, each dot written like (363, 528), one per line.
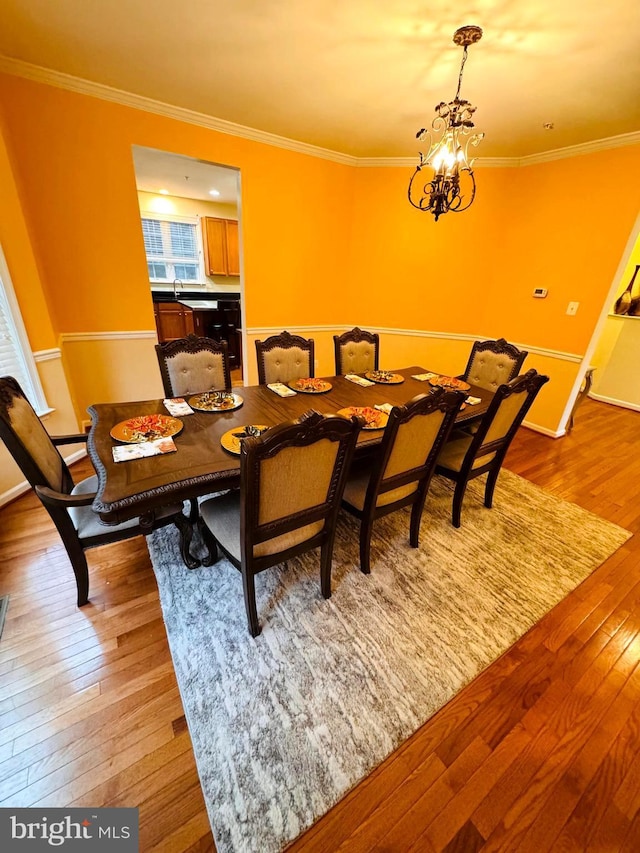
(469, 456)
(69, 505)
(492, 363)
(285, 357)
(356, 351)
(403, 467)
(194, 364)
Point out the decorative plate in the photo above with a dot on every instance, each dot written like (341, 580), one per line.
(449, 382)
(216, 401)
(146, 428)
(310, 386)
(232, 439)
(384, 377)
(375, 419)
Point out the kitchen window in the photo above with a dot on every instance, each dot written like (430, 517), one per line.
(173, 250)
(16, 358)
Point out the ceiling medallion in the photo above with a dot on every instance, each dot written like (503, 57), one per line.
(443, 180)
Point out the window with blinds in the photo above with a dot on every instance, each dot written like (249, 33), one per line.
(172, 249)
(16, 358)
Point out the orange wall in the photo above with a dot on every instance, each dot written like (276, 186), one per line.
(475, 272)
(72, 157)
(323, 243)
(409, 271)
(16, 243)
(580, 213)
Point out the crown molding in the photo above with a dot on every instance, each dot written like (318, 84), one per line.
(583, 148)
(38, 74)
(60, 80)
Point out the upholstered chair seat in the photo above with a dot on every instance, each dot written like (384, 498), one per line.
(193, 365)
(284, 357)
(466, 457)
(403, 466)
(356, 351)
(291, 483)
(69, 504)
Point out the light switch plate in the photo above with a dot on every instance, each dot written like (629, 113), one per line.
(572, 308)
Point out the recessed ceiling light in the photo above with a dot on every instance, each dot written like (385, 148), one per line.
(214, 192)
(163, 192)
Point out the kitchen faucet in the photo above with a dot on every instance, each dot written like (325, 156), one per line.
(176, 282)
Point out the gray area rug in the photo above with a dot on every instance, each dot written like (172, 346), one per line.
(284, 725)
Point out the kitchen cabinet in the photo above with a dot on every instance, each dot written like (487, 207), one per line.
(221, 250)
(173, 320)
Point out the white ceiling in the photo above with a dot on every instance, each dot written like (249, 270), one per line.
(184, 176)
(354, 76)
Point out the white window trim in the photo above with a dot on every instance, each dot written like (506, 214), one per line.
(191, 220)
(25, 354)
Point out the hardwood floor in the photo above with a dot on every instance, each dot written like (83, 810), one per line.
(540, 752)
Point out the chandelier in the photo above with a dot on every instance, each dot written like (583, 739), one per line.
(443, 180)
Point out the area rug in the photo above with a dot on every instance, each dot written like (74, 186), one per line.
(285, 724)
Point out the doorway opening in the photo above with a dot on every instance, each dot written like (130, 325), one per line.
(614, 349)
(190, 220)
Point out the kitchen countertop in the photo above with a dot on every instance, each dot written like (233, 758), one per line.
(193, 296)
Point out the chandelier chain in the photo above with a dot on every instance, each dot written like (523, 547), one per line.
(464, 59)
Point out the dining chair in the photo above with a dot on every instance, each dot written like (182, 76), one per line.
(402, 469)
(69, 504)
(465, 457)
(492, 363)
(194, 364)
(356, 351)
(284, 357)
(291, 483)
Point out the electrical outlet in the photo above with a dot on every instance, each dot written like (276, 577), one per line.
(572, 308)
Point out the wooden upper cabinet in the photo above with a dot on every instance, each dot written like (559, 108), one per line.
(221, 251)
(233, 251)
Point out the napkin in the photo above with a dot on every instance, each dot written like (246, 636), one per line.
(178, 406)
(384, 407)
(473, 401)
(122, 453)
(281, 389)
(424, 377)
(359, 380)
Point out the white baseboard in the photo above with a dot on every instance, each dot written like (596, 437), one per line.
(551, 433)
(635, 407)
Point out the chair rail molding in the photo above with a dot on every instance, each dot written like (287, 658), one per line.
(74, 337)
(47, 354)
(416, 333)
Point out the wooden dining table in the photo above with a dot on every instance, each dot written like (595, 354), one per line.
(136, 488)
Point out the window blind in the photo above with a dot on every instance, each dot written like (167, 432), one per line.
(172, 249)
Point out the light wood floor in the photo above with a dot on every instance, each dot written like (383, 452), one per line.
(541, 752)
